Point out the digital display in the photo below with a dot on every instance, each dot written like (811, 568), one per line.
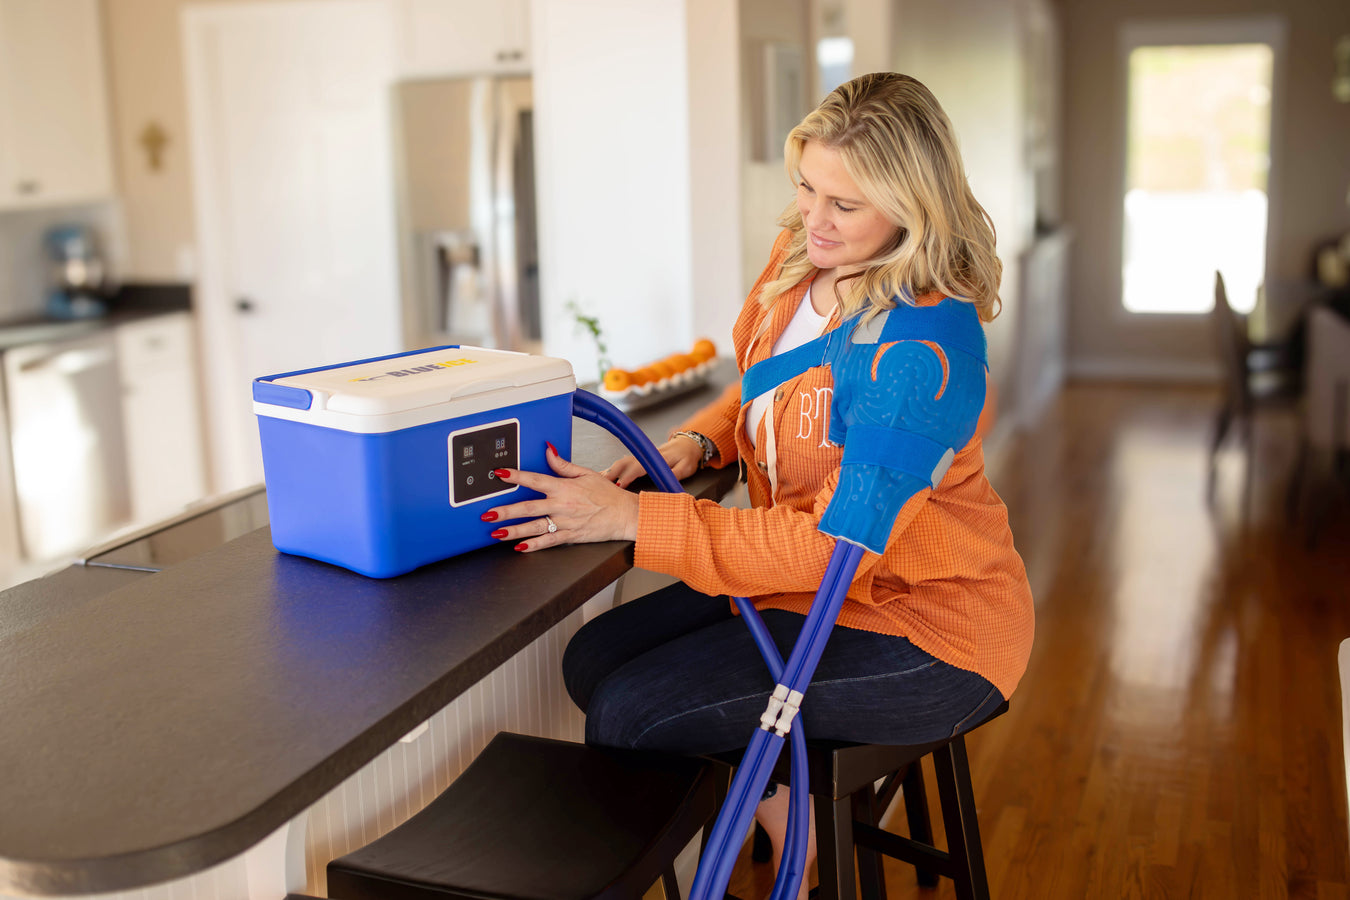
(475, 454)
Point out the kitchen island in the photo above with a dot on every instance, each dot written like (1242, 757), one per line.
(236, 717)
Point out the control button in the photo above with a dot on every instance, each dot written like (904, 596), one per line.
(469, 480)
(492, 474)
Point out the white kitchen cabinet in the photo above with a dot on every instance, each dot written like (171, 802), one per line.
(54, 122)
(161, 415)
(438, 38)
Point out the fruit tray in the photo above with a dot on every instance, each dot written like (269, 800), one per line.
(642, 396)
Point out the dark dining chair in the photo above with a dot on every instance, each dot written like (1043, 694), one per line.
(1255, 377)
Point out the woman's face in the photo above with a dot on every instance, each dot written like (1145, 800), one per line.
(842, 229)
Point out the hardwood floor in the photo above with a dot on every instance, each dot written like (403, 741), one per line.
(1178, 731)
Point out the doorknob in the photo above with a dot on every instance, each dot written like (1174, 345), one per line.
(244, 305)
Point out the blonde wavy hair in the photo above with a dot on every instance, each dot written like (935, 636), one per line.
(899, 147)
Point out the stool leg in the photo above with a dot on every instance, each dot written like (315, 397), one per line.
(916, 814)
(958, 814)
(871, 878)
(761, 849)
(834, 848)
(721, 787)
(670, 887)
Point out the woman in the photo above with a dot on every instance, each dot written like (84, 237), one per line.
(937, 629)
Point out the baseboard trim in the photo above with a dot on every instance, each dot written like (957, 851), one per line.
(1145, 371)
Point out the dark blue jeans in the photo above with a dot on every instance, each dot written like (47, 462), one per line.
(676, 671)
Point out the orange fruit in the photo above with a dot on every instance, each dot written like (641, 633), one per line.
(645, 375)
(704, 349)
(663, 369)
(680, 362)
(618, 380)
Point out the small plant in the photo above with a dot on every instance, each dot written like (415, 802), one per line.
(592, 326)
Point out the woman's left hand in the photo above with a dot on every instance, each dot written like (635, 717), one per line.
(583, 505)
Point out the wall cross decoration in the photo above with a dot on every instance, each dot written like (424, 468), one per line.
(154, 139)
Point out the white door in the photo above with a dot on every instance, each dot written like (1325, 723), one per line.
(289, 111)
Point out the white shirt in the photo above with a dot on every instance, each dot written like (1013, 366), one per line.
(806, 325)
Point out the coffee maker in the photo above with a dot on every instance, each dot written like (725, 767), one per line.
(79, 280)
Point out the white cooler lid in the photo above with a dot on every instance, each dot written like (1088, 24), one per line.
(454, 376)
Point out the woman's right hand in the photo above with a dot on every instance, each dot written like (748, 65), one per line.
(681, 453)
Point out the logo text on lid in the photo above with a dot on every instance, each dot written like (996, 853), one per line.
(419, 370)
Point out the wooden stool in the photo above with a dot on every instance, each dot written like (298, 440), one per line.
(848, 808)
(538, 819)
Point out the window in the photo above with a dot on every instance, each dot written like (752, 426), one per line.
(1197, 169)
(834, 62)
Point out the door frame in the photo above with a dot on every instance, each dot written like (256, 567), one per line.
(1271, 30)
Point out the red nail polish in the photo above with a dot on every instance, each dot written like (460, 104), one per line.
(552, 448)
(499, 533)
(489, 516)
(502, 473)
(522, 547)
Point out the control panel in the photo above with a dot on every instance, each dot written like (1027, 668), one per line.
(475, 453)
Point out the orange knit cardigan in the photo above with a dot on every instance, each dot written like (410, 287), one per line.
(949, 579)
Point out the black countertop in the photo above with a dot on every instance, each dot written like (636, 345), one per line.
(159, 722)
(131, 302)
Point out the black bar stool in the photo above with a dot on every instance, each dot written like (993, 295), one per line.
(539, 819)
(848, 807)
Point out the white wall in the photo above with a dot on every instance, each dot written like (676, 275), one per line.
(871, 26)
(619, 185)
(765, 188)
(714, 167)
(976, 71)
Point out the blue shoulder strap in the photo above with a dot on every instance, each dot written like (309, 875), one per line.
(768, 373)
(951, 324)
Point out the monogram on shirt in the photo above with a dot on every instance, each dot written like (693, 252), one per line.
(813, 415)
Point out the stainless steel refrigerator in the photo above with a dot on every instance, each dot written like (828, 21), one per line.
(469, 206)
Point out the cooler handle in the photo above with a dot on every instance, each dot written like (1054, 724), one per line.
(281, 395)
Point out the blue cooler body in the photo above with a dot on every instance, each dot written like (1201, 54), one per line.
(384, 465)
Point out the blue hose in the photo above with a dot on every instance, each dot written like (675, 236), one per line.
(757, 765)
(599, 411)
(793, 869)
(752, 776)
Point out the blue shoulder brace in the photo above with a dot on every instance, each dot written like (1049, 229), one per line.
(899, 412)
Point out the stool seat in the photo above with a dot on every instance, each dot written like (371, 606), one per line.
(539, 819)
